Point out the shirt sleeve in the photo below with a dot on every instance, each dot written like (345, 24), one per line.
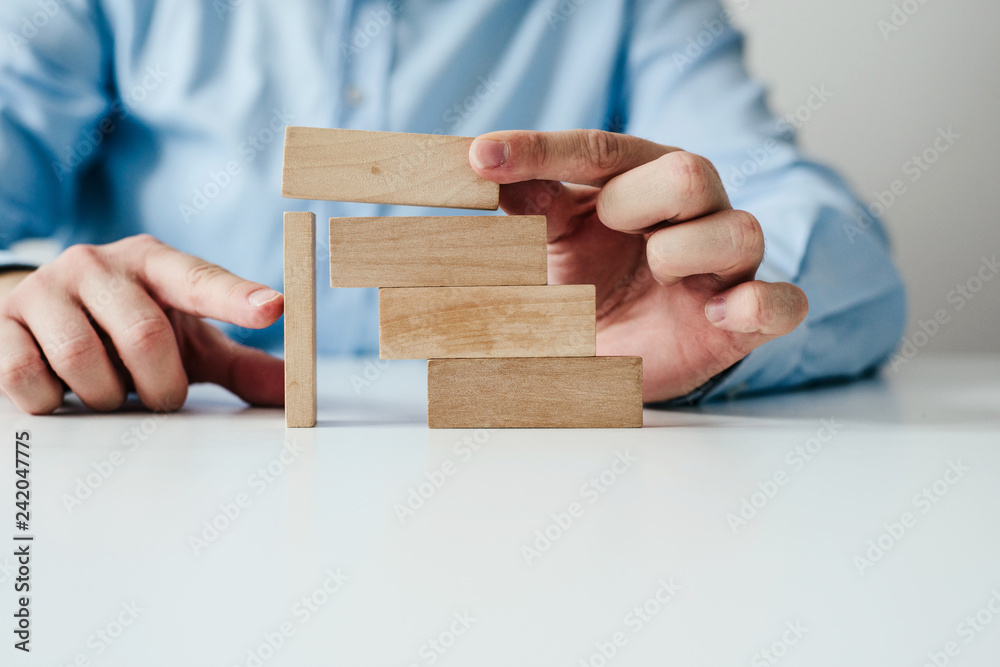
(54, 92)
(684, 84)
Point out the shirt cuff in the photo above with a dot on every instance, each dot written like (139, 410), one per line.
(766, 368)
(759, 371)
(696, 396)
(10, 261)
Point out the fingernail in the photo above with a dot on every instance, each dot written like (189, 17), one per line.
(489, 154)
(715, 310)
(262, 296)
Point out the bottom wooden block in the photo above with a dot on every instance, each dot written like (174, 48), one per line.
(535, 392)
(300, 320)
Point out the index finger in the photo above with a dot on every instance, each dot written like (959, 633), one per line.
(585, 157)
(200, 288)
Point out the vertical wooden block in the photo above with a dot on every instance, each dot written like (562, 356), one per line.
(438, 251)
(583, 392)
(452, 322)
(383, 168)
(300, 319)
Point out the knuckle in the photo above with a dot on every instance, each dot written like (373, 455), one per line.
(759, 308)
(135, 246)
(25, 292)
(537, 146)
(689, 174)
(143, 244)
(746, 235)
(607, 204)
(606, 150)
(83, 256)
(200, 274)
(20, 369)
(661, 262)
(145, 239)
(801, 301)
(103, 293)
(72, 353)
(147, 334)
(142, 240)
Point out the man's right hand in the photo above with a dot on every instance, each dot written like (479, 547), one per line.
(125, 316)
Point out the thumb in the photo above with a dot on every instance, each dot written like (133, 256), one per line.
(758, 311)
(584, 157)
(210, 356)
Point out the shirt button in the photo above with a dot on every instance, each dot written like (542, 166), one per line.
(354, 95)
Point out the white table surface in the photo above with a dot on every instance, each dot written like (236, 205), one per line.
(331, 508)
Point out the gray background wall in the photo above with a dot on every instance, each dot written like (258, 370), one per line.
(891, 94)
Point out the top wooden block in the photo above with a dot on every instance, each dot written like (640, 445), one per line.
(383, 168)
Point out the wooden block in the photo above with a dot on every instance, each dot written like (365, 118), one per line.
(585, 392)
(300, 320)
(450, 322)
(438, 251)
(383, 168)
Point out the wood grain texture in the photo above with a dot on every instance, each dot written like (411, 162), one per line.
(583, 392)
(438, 251)
(300, 320)
(449, 322)
(383, 168)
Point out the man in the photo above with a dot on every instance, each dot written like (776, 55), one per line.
(151, 131)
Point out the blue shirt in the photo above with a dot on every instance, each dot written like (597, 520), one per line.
(127, 116)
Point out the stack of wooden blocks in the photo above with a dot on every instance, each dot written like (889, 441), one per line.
(467, 293)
